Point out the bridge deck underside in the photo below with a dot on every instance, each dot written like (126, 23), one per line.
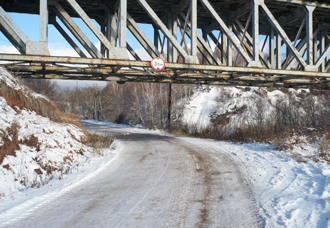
(46, 67)
(272, 43)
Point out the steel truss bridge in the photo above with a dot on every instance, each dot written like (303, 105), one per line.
(272, 43)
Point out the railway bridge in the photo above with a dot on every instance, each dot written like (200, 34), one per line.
(271, 43)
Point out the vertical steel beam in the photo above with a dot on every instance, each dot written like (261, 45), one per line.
(309, 32)
(169, 124)
(278, 51)
(123, 23)
(272, 48)
(43, 27)
(194, 31)
(108, 25)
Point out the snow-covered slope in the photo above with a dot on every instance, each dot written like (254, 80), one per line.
(238, 104)
(41, 148)
(234, 107)
(289, 193)
(201, 106)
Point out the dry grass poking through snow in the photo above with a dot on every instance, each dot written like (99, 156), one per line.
(98, 142)
(41, 105)
(325, 147)
(37, 141)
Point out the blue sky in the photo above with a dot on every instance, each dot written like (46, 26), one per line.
(29, 24)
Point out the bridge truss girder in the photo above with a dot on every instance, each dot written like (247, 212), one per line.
(230, 51)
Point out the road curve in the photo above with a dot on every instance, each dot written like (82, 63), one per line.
(157, 181)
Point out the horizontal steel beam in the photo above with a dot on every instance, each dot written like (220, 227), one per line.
(304, 2)
(169, 66)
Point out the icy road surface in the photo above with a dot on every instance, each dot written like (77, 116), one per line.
(156, 181)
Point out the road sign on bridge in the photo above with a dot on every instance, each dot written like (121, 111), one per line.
(273, 43)
(158, 64)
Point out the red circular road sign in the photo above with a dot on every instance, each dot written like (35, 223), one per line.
(158, 64)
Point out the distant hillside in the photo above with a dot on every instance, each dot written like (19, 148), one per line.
(37, 142)
(292, 119)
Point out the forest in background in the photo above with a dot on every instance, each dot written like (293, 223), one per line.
(304, 114)
(144, 104)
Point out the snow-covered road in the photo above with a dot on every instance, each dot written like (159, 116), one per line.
(156, 181)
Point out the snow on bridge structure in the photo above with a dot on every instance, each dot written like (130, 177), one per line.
(272, 43)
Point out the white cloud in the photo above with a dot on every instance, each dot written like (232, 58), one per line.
(59, 49)
(8, 49)
(143, 54)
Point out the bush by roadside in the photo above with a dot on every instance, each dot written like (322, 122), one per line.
(99, 142)
(303, 143)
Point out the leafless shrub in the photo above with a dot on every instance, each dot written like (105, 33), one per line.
(325, 147)
(10, 142)
(99, 142)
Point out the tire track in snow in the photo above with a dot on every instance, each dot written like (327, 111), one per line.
(218, 177)
(182, 193)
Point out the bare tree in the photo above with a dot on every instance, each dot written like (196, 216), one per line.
(46, 87)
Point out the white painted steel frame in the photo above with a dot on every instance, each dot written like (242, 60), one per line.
(311, 52)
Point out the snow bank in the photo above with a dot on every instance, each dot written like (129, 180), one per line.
(45, 150)
(290, 193)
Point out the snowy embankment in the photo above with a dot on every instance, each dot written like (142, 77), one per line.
(290, 193)
(34, 149)
(234, 107)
